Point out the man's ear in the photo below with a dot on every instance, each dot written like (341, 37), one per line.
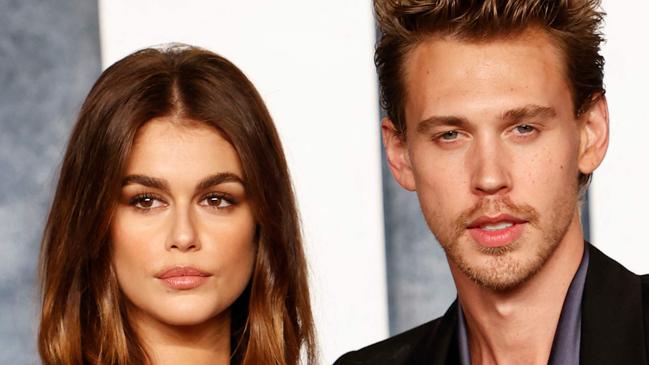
(593, 135)
(396, 151)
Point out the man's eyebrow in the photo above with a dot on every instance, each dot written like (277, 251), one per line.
(528, 112)
(517, 114)
(148, 181)
(429, 123)
(220, 178)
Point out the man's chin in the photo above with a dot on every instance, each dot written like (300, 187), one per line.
(498, 268)
(500, 281)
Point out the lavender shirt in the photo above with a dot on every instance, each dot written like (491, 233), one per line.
(565, 348)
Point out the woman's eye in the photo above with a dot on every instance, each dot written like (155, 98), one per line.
(146, 202)
(524, 129)
(216, 201)
(449, 135)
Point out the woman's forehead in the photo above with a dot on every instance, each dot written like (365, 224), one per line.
(165, 147)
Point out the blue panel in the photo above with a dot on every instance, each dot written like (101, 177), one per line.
(420, 287)
(585, 216)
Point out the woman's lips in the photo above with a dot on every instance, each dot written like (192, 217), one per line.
(496, 231)
(183, 278)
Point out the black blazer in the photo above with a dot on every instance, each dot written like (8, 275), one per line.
(614, 325)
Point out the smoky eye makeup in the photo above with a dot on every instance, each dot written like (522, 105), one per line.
(146, 201)
(219, 191)
(217, 200)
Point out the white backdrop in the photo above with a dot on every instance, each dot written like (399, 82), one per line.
(620, 189)
(312, 63)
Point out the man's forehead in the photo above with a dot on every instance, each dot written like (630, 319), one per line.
(531, 41)
(449, 73)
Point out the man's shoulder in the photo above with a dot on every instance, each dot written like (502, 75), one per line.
(644, 279)
(615, 313)
(394, 350)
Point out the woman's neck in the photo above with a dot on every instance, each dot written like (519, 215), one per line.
(204, 343)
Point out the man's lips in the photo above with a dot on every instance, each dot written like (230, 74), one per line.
(183, 278)
(484, 221)
(496, 231)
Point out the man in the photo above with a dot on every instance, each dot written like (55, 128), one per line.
(496, 117)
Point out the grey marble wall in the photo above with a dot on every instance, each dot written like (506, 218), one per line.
(49, 57)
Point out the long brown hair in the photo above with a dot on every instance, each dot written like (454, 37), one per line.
(83, 313)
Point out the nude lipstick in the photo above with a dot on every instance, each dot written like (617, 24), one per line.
(497, 231)
(183, 278)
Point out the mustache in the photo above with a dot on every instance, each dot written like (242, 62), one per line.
(494, 206)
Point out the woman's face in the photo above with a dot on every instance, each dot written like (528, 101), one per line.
(183, 231)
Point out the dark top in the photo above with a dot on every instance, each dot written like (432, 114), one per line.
(614, 325)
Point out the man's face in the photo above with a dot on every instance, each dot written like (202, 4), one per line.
(492, 148)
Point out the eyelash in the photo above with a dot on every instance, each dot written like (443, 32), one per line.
(440, 137)
(138, 199)
(447, 134)
(531, 128)
(222, 197)
(455, 133)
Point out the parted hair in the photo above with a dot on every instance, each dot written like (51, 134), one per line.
(83, 318)
(574, 26)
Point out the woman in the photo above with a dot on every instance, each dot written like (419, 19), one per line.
(173, 236)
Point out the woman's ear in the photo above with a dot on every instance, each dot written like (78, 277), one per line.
(594, 134)
(396, 151)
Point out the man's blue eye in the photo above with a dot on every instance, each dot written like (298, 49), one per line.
(449, 136)
(524, 129)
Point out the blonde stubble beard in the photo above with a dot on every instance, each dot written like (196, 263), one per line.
(501, 270)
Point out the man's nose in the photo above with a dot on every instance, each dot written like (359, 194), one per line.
(183, 235)
(490, 166)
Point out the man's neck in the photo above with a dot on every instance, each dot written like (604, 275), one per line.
(518, 326)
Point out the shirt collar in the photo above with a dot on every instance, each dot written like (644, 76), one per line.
(567, 338)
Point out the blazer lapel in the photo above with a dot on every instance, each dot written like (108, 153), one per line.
(439, 346)
(611, 318)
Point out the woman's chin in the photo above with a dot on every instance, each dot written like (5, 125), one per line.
(181, 314)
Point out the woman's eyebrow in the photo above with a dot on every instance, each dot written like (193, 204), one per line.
(161, 184)
(149, 181)
(220, 178)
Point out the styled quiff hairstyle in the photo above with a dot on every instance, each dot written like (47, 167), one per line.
(83, 318)
(574, 25)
